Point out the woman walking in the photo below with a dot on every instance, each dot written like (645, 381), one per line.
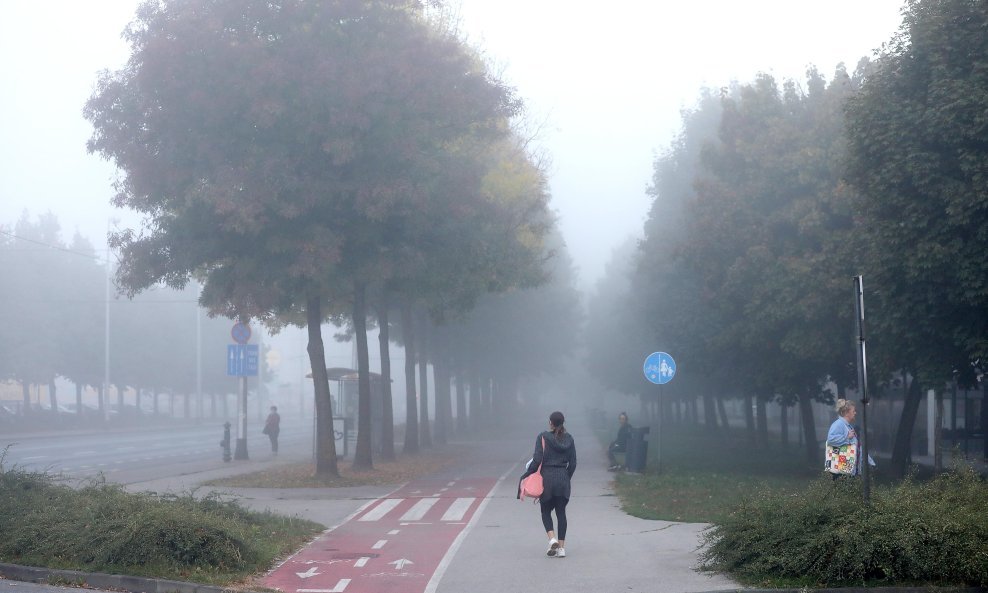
(557, 462)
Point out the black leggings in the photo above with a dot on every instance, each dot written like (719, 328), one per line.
(559, 504)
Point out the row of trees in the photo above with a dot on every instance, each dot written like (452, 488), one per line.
(307, 160)
(774, 196)
(53, 315)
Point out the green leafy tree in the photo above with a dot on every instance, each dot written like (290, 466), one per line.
(272, 145)
(919, 160)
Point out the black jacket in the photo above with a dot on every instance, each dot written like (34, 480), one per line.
(558, 464)
(623, 434)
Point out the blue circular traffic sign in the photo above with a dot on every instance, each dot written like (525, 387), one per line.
(240, 333)
(660, 368)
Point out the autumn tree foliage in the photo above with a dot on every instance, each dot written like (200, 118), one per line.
(293, 154)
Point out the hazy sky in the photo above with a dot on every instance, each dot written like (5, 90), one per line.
(609, 80)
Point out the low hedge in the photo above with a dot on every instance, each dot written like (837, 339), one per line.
(934, 533)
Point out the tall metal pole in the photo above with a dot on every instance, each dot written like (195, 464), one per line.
(241, 449)
(862, 385)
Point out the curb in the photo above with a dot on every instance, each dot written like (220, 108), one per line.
(861, 590)
(75, 578)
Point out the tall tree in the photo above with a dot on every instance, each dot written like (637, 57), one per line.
(918, 158)
(270, 145)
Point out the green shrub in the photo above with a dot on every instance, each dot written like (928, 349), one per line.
(934, 532)
(101, 527)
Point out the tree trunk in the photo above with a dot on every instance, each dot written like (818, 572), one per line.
(362, 457)
(26, 395)
(485, 401)
(212, 406)
(154, 400)
(709, 413)
(440, 369)
(326, 465)
(784, 422)
(53, 396)
(444, 410)
(387, 415)
(411, 401)
(722, 412)
(813, 454)
(461, 405)
(762, 419)
(475, 404)
(425, 436)
(938, 433)
(78, 399)
(904, 432)
(749, 418)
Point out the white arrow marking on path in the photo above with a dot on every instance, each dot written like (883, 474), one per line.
(339, 588)
(313, 571)
(400, 564)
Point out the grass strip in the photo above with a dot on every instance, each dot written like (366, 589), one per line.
(302, 475)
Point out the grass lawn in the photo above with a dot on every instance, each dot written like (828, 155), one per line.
(703, 475)
(302, 475)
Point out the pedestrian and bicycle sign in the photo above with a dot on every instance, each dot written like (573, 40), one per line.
(660, 368)
(242, 360)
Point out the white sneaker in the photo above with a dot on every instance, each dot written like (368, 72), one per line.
(553, 547)
(561, 553)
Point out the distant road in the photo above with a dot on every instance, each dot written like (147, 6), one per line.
(146, 453)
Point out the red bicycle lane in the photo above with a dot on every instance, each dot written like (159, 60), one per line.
(394, 544)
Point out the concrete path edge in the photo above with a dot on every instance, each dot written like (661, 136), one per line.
(75, 578)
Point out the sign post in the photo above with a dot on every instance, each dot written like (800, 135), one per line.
(862, 384)
(659, 369)
(241, 361)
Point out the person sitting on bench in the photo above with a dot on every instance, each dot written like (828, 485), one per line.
(620, 444)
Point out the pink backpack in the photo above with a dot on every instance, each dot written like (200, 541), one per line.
(532, 485)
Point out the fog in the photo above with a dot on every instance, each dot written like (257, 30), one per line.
(604, 93)
(604, 89)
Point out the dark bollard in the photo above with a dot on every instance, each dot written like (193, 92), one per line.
(225, 443)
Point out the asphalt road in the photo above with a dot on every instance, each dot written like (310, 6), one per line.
(129, 456)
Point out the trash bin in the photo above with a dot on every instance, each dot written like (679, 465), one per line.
(637, 454)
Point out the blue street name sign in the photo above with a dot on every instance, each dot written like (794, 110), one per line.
(660, 368)
(242, 360)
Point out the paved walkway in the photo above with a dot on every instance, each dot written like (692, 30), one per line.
(499, 543)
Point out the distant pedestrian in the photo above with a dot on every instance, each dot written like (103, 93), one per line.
(272, 426)
(558, 462)
(620, 444)
(843, 435)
